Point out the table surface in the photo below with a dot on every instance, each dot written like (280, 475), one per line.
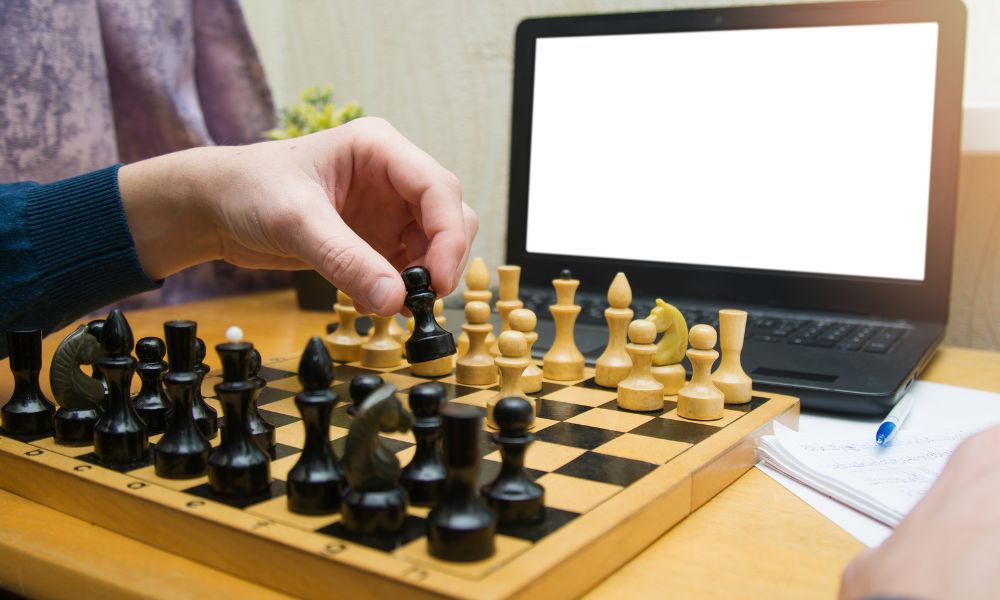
(755, 539)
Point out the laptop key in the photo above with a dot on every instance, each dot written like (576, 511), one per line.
(767, 338)
(877, 347)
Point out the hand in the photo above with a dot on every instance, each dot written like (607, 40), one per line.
(947, 546)
(357, 203)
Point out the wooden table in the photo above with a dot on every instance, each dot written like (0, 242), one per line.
(755, 539)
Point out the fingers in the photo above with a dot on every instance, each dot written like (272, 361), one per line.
(420, 180)
(336, 252)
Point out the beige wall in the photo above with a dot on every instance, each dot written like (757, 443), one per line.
(440, 71)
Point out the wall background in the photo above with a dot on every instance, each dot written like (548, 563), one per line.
(441, 73)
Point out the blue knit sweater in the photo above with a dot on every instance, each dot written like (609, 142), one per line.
(65, 251)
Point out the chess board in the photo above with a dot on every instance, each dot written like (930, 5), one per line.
(614, 481)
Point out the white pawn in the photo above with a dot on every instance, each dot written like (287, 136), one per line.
(476, 366)
(381, 351)
(700, 399)
(640, 390)
(512, 361)
(524, 320)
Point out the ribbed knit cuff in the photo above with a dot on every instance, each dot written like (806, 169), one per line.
(82, 245)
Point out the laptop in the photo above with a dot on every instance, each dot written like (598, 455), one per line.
(799, 162)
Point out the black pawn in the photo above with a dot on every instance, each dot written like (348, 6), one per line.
(424, 477)
(429, 340)
(205, 416)
(119, 434)
(182, 452)
(95, 328)
(151, 402)
(361, 387)
(237, 467)
(461, 528)
(316, 482)
(28, 412)
(262, 431)
(513, 495)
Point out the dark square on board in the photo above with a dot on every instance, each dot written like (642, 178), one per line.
(755, 402)
(413, 528)
(615, 470)
(278, 419)
(576, 436)
(269, 395)
(272, 374)
(678, 431)
(144, 462)
(533, 532)
(205, 491)
(558, 411)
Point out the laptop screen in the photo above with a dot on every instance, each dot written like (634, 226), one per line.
(792, 149)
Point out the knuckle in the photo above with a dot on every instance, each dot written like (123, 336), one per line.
(452, 183)
(341, 263)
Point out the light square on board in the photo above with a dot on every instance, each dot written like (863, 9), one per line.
(582, 396)
(728, 416)
(544, 456)
(289, 384)
(285, 407)
(639, 447)
(610, 419)
(402, 382)
(295, 434)
(281, 467)
(276, 509)
(477, 398)
(506, 549)
(574, 494)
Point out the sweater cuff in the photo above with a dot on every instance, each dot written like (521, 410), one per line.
(82, 245)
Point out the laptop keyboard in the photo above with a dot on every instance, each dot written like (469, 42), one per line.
(844, 335)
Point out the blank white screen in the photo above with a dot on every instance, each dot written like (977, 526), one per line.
(799, 149)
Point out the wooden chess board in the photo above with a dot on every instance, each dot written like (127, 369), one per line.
(614, 482)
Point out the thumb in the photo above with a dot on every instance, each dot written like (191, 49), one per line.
(347, 261)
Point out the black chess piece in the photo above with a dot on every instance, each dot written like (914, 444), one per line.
(424, 477)
(205, 416)
(182, 452)
(95, 328)
(374, 502)
(360, 388)
(180, 336)
(461, 528)
(28, 412)
(316, 482)
(151, 402)
(515, 497)
(237, 467)
(119, 434)
(429, 341)
(78, 395)
(262, 431)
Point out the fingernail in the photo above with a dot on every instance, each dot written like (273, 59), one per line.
(378, 296)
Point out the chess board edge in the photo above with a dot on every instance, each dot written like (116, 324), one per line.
(307, 563)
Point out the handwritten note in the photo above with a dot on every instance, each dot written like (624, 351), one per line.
(882, 482)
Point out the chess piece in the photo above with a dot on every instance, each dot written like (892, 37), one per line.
(524, 320)
(396, 332)
(382, 351)
(476, 366)
(439, 367)
(424, 477)
(119, 434)
(316, 482)
(28, 412)
(151, 402)
(78, 395)
(477, 288)
(461, 527)
(700, 399)
(614, 364)
(374, 502)
(206, 417)
(261, 430)
(180, 339)
(95, 328)
(344, 343)
(237, 467)
(513, 495)
(511, 363)
(429, 340)
(360, 388)
(640, 391)
(667, 367)
(182, 452)
(510, 283)
(730, 377)
(563, 361)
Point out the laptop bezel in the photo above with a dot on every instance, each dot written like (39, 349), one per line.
(925, 300)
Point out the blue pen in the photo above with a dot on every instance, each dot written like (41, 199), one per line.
(893, 421)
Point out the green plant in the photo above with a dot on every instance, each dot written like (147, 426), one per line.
(315, 111)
